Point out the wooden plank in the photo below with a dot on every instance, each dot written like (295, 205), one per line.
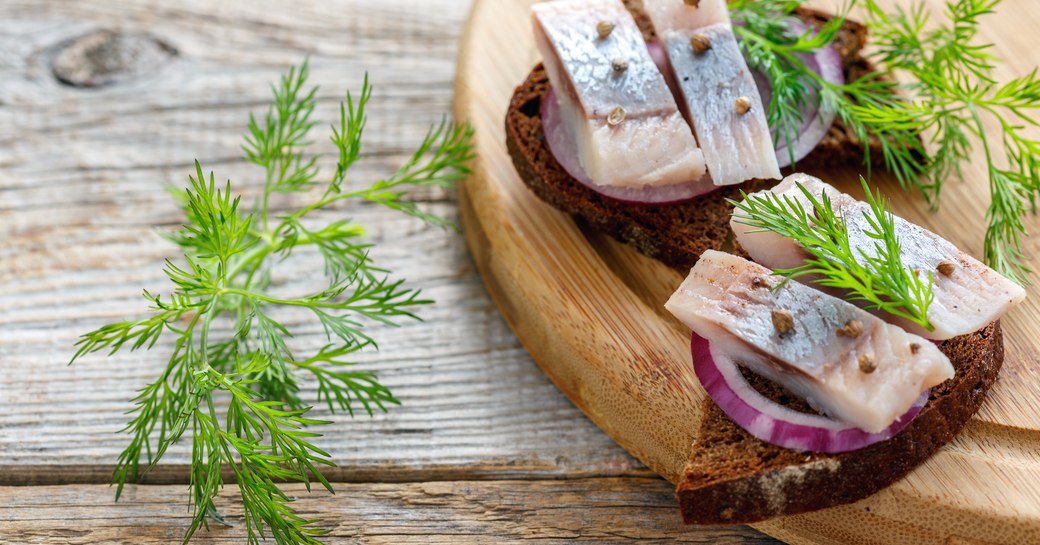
(472, 400)
(592, 319)
(82, 173)
(82, 177)
(611, 510)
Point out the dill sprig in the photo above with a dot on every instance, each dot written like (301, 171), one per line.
(238, 392)
(778, 45)
(951, 89)
(875, 276)
(947, 90)
(773, 46)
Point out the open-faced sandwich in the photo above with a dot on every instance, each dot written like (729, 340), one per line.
(852, 344)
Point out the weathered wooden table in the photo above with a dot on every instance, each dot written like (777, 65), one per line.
(103, 105)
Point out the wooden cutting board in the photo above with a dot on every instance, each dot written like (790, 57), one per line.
(590, 312)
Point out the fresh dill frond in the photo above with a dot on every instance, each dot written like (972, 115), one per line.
(951, 89)
(780, 46)
(773, 46)
(263, 435)
(875, 276)
(947, 88)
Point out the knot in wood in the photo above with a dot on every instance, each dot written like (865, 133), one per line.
(107, 57)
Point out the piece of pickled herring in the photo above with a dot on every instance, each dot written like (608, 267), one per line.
(719, 94)
(613, 99)
(968, 294)
(723, 103)
(842, 360)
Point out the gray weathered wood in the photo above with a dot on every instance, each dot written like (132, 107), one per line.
(82, 179)
(82, 193)
(616, 510)
(471, 397)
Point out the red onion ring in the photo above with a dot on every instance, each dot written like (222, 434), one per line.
(774, 423)
(561, 144)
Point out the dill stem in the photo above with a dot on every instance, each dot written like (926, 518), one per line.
(283, 302)
(267, 194)
(256, 254)
(261, 252)
(326, 200)
(204, 335)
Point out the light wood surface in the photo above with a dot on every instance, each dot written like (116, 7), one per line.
(589, 310)
(82, 178)
(581, 511)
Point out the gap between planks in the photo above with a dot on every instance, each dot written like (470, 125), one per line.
(23, 475)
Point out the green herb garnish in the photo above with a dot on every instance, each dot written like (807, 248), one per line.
(233, 376)
(948, 90)
(772, 46)
(875, 276)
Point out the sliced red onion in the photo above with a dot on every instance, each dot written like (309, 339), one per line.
(564, 149)
(659, 57)
(774, 423)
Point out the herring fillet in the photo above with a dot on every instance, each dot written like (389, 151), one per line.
(969, 298)
(653, 145)
(730, 301)
(736, 146)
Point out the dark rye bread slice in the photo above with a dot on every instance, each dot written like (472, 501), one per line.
(732, 477)
(675, 234)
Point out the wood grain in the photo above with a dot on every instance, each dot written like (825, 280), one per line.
(462, 512)
(82, 194)
(471, 401)
(589, 312)
(82, 179)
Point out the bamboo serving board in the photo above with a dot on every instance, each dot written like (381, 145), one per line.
(590, 312)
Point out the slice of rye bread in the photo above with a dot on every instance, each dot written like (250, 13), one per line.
(732, 477)
(675, 234)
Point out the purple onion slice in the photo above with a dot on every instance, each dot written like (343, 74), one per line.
(775, 423)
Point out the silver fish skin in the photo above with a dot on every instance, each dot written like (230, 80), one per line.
(652, 145)
(737, 146)
(678, 15)
(966, 300)
(731, 302)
